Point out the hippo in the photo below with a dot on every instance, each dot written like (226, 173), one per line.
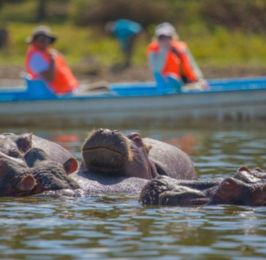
(112, 153)
(246, 187)
(32, 174)
(16, 146)
(112, 162)
(31, 165)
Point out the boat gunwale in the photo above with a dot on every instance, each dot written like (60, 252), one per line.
(97, 97)
(249, 84)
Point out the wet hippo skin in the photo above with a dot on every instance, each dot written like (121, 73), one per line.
(246, 187)
(111, 161)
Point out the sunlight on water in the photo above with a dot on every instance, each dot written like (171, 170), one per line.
(119, 227)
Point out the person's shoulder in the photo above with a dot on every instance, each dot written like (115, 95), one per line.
(180, 45)
(153, 46)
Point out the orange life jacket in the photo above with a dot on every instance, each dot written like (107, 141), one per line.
(178, 65)
(64, 81)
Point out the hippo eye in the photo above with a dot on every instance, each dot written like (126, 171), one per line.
(14, 153)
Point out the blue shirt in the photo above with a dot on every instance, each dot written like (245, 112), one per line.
(124, 29)
(38, 64)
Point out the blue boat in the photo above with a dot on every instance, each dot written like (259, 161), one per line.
(134, 103)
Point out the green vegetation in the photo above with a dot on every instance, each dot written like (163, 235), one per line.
(77, 43)
(79, 26)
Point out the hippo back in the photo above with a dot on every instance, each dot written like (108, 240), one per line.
(171, 159)
(101, 184)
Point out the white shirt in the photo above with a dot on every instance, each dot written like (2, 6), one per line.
(157, 60)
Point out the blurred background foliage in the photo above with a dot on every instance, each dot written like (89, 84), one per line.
(219, 33)
(244, 15)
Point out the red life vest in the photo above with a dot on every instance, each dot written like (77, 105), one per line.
(64, 81)
(178, 65)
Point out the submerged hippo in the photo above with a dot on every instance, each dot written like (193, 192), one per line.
(246, 187)
(32, 174)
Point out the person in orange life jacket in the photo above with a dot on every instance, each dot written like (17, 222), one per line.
(47, 64)
(170, 59)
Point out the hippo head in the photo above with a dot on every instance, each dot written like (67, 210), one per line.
(164, 190)
(18, 179)
(17, 146)
(36, 155)
(111, 152)
(246, 187)
(151, 193)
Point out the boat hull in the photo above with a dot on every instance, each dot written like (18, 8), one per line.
(164, 110)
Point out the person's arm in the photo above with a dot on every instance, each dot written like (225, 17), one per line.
(194, 65)
(191, 72)
(187, 69)
(157, 60)
(45, 69)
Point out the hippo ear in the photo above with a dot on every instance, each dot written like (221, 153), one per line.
(71, 165)
(243, 169)
(27, 183)
(136, 137)
(24, 142)
(148, 148)
(259, 169)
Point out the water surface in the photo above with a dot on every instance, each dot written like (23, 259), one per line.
(118, 227)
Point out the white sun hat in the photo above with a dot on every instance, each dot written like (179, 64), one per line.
(165, 29)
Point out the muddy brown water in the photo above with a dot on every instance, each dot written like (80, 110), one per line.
(117, 226)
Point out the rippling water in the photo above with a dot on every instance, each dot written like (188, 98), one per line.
(118, 227)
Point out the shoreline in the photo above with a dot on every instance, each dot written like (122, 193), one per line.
(13, 75)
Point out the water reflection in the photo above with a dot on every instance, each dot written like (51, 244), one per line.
(118, 227)
(121, 228)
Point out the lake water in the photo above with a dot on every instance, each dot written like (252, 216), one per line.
(119, 227)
